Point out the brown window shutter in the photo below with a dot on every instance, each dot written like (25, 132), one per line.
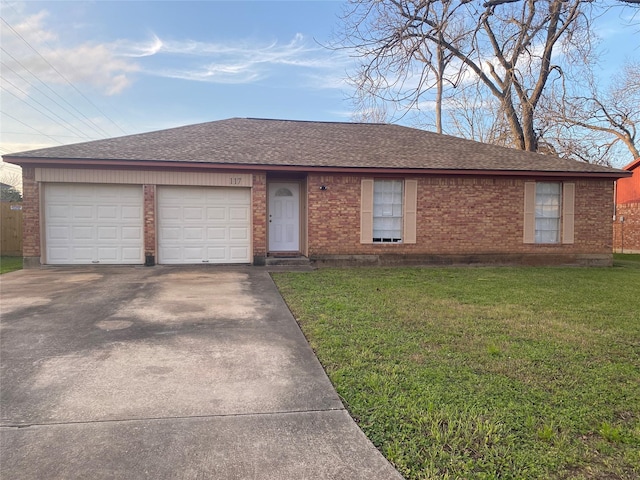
(529, 235)
(366, 211)
(568, 206)
(410, 211)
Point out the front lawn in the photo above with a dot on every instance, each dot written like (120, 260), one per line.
(10, 264)
(487, 373)
(626, 257)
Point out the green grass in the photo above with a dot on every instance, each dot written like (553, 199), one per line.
(485, 373)
(626, 257)
(10, 264)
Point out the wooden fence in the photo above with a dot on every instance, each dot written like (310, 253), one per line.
(11, 229)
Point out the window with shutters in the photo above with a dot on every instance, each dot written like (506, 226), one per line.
(388, 211)
(549, 212)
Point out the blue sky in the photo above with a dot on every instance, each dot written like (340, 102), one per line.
(74, 71)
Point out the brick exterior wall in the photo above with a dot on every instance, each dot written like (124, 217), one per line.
(626, 235)
(149, 223)
(456, 215)
(30, 216)
(259, 212)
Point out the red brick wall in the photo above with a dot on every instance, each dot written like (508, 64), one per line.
(30, 213)
(456, 215)
(626, 235)
(259, 211)
(149, 220)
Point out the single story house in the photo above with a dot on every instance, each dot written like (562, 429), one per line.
(626, 221)
(243, 191)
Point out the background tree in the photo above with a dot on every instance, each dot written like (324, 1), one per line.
(10, 182)
(409, 68)
(9, 193)
(597, 125)
(494, 67)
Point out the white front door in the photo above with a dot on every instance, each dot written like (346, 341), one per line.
(284, 217)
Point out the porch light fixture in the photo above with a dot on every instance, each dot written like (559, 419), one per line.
(323, 187)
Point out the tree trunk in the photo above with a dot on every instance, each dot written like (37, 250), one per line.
(439, 87)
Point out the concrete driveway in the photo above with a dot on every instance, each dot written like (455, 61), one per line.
(133, 372)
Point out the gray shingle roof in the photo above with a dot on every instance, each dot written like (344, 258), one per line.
(263, 142)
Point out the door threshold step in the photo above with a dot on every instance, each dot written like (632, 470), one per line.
(287, 261)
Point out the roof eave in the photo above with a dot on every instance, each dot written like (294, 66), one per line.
(163, 164)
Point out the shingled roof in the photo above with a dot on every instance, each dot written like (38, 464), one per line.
(302, 144)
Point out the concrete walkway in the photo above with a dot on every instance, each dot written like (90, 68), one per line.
(132, 372)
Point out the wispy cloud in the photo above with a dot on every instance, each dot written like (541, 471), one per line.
(242, 61)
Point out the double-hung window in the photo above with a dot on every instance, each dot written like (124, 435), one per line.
(548, 202)
(387, 211)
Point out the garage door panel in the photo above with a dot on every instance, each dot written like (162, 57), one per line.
(216, 213)
(193, 233)
(87, 224)
(108, 254)
(193, 254)
(169, 213)
(217, 234)
(131, 212)
(193, 214)
(58, 253)
(238, 253)
(83, 233)
(217, 254)
(215, 196)
(205, 218)
(107, 212)
(169, 233)
(239, 214)
(238, 196)
(131, 254)
(108, 233)
(82, 212)
(83, 254)
(59, 212)
(239, 233)
(131, 233)
(59, 233)
(171, 254)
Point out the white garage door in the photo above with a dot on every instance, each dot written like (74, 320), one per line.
(204, 225)
(88, 223)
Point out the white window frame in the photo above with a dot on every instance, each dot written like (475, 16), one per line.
(548, 213)
(388, 210)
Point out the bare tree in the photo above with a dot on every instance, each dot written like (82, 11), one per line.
(594, 125)
(404, 76)
(507, 48)
(471, 114)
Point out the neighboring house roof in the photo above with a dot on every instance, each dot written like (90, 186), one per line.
(632, 166)
(305, 145)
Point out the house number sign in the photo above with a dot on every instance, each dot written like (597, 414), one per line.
(234, 180)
